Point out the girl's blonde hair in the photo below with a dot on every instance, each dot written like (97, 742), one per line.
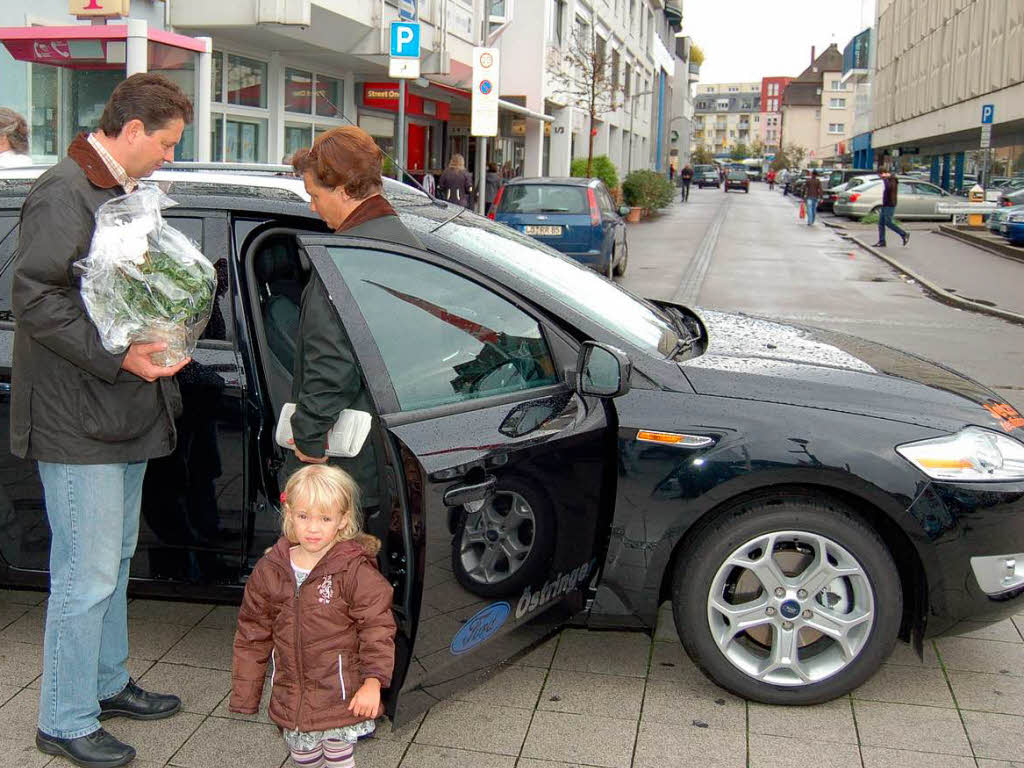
(320, 487)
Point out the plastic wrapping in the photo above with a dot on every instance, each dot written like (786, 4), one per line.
(143, 280)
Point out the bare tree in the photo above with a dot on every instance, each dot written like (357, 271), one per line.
(586, 77)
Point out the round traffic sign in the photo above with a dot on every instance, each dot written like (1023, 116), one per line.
(486, 60)
(485, 87)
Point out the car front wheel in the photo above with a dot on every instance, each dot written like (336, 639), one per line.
(787, 600)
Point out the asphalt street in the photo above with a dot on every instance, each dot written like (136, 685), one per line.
(750, 252)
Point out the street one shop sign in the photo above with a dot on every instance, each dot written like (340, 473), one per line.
(385, 96)
(99, 8)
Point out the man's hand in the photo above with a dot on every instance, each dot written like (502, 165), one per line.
(304, 458)
(137, 361)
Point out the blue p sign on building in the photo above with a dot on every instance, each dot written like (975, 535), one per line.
(405, 40)
(988, 113)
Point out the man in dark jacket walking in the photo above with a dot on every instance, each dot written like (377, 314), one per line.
(91, 419)
(685, 179)
(812, 194)
(342, 174)
(890, 187)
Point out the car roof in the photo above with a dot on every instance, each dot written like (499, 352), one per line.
(575, 181)
(270, 190)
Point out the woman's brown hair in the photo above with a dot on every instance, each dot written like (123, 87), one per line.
(345, 157)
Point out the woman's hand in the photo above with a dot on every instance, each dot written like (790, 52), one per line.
(366, 702)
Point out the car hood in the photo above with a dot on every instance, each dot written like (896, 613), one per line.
(754, 358)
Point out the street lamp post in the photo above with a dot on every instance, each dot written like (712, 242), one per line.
(632, 111)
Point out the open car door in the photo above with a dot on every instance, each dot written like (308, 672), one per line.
(499, 471)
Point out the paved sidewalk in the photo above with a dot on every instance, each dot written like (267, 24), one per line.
(610, 699)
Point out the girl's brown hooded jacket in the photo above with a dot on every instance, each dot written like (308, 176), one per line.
(323, 643)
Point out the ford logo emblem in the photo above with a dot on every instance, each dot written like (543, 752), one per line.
(481, 626)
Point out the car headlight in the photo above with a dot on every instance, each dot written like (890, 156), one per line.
(971, 454)
(1017, 218)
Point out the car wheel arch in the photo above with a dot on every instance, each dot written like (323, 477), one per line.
(912, 572)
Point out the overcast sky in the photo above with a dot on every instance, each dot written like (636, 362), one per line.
(745, 40)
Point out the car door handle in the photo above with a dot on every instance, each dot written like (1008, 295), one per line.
(461, 494)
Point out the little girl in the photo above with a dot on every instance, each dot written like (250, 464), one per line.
(319, 609)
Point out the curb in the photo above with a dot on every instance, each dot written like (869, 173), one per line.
(998, 249)
(940, 293)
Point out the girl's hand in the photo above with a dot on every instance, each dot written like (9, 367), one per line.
(366, 702)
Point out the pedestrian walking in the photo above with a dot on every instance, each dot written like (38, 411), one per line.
(492, 183)
(456, 185)
(13, 140)
(812, 194)
(890, 187)
(770, 177)
(317, 608)
(685, 178)
(91, 420)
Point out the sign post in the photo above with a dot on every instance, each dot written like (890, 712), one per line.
(404, 64)
(484, 113)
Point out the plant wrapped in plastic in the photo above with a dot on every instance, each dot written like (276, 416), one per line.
(143, 280)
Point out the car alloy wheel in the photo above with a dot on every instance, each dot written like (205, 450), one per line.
(503, 543)
(789, 598)
(790, 607)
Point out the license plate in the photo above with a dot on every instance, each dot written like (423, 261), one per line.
(534, 230)
(1004, 228)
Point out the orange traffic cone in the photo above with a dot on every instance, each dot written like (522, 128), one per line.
(803, 210)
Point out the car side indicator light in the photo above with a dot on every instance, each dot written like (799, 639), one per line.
(674, 438)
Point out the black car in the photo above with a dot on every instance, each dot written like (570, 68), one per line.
(553, 448)
(737, 179)
(706, 176)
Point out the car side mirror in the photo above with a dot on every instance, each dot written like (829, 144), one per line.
(602, 370)
(624, 210)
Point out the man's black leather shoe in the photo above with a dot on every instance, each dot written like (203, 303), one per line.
(96, 750)
(138, 704)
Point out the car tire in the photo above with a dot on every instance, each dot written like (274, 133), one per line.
(876, 211)
(517, 500)
(708, 579)
(620, 268)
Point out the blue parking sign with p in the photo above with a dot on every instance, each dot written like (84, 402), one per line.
(405, 39)
(988, 112)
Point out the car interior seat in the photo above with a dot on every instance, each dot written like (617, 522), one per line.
(279, 270)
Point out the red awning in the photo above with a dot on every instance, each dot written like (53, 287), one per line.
(86, 46)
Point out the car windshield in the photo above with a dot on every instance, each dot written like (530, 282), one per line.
(544, 198)
(566, 281)
(737, 175)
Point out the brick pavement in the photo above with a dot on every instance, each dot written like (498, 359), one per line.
(612, 699)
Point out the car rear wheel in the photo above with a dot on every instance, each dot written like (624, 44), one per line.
(610, 271)
(620, 268)
(787, 600)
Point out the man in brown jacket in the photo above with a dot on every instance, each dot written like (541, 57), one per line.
(91, 419)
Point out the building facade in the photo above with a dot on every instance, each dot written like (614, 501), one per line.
(772, 90)
(937, 65)
(858, 74)
(725, 115)
(817, 110)
(268, 77)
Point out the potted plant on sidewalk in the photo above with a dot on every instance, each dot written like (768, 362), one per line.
(646, 191)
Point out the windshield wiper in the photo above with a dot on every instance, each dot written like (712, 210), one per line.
(689, 340)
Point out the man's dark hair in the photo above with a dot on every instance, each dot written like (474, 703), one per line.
(149, 97)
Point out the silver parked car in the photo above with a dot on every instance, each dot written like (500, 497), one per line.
(915, 200)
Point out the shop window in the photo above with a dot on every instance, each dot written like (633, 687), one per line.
(247, 82)
(298, 91)
(245, 141)
(297, 137)
(217, 76)
(328, 96)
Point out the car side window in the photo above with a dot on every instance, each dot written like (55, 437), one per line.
(927, 189)
(219, 327)
(605, 200)
(443, 338)
(8, 244)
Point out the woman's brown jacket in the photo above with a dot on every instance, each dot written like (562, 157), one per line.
(337, 632)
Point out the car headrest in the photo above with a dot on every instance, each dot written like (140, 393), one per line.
(276, 261)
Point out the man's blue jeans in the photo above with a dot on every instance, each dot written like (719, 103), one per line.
(812, 209)
(885, 219)
(93, 511)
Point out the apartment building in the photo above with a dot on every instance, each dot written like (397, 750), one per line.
(268, 77)
(772, 89)
(937, 65)
(817, 110)
(726, 114)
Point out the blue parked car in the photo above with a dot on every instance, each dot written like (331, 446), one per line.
(572, 215)
(1011, 225)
